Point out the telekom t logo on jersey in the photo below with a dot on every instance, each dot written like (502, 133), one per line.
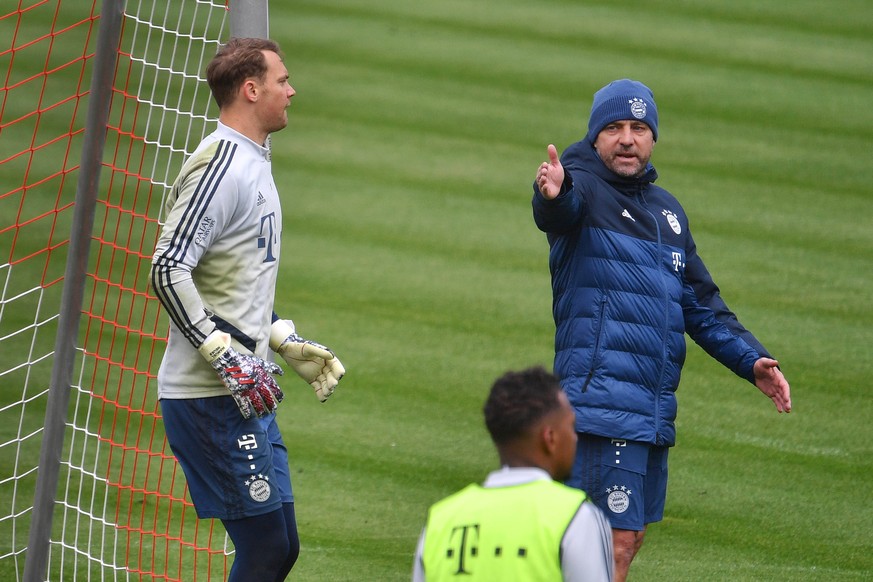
(467, 544)
(268, 238)
(464, 549)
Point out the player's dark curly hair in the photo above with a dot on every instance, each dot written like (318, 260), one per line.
(239, 59)
(518, 400)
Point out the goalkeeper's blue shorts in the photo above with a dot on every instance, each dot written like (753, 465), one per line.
(626, 479)
(235, 467)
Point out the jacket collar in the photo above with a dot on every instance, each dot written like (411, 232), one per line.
(582, 156)
(226, 132)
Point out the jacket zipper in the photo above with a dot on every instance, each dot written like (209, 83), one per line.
(596, 355)
(664, 328)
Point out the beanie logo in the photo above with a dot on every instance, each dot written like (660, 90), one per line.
(637, 107)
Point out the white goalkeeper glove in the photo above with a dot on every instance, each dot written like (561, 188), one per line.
(313, 362)
(247, 377)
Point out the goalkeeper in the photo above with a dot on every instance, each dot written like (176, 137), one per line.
(214, 271)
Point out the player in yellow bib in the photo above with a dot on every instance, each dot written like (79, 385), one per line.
(520, 524)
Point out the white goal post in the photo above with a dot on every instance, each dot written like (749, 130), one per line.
(100, 103)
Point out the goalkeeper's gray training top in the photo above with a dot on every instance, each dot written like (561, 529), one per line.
(216, 262)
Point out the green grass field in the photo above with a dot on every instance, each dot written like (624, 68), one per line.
(409, 248)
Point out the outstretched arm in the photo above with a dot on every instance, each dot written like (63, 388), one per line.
(557, 206)
(550, 176)
(770, 381)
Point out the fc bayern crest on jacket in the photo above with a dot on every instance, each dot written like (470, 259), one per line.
(672, 221)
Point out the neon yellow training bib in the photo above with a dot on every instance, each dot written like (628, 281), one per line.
(499, 534)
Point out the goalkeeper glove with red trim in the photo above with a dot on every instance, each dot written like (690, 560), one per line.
(247, 377)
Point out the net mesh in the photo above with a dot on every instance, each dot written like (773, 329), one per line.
(122, 510)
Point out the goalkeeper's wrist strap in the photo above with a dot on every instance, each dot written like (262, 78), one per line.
(279, 332)
(214, 346)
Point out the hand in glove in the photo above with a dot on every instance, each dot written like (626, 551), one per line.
(313, 362)
(247, 377)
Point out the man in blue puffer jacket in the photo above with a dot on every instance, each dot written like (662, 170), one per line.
(627, 285)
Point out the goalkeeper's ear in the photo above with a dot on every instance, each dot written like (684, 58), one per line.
(280, 330)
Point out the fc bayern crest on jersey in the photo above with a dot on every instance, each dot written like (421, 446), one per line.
(673, 221)
(637, 107)
(259, 487)
(618, 499)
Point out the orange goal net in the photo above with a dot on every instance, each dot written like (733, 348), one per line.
(85, 325)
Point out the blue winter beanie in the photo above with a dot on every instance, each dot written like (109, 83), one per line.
(620, 100)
